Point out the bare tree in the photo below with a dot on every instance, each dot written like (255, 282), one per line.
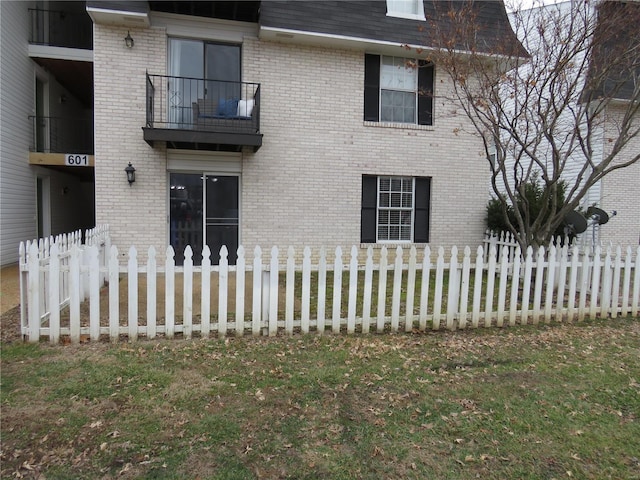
(545, 110)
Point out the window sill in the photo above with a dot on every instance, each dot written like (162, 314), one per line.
(399, 126)
(407, 16)
(393, 246)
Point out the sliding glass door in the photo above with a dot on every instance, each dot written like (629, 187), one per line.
(200, 70)
(204, 210)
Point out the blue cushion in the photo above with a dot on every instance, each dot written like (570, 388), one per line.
(228, 107)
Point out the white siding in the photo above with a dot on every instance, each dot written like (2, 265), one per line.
(17, 196)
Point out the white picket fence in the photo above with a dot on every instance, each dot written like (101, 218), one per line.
(52, 258)
(267, 296)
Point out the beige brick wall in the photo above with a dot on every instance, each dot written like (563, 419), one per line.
(621, 192)
(137, 214)
(303, 187)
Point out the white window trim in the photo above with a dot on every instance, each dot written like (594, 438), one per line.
(412, 210)
(408, 16)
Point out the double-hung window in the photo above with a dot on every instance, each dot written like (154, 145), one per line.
(398, 90)
(395, 209)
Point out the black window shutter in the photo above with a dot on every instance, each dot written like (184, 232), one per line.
(425, 93)
(421, 213)
(371, 87)
(369, 208)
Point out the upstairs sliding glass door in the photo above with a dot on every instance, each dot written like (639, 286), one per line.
(200, 71)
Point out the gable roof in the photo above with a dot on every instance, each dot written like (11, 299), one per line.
(368, 20)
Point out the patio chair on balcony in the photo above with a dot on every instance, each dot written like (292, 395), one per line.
(226, 114)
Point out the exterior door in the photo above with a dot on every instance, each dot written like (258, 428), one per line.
(204, 210)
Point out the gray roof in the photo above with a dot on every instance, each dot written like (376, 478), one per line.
(367, 19)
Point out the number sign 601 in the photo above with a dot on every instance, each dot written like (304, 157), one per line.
(76, 160)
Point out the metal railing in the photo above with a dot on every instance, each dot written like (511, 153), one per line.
(204, 105)
(61, 135)
(60, 28)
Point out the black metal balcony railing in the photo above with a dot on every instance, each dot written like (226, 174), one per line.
(203, 105)
(61, 135)
(61, 28)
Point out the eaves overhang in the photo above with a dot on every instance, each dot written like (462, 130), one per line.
(125, 18)
(330, 40)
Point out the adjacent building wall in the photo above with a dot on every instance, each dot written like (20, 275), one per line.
(17, 183)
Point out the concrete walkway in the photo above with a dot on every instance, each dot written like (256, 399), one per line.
(9, 288)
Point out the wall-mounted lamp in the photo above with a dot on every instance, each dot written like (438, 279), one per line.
(128, 41)
(131, 173)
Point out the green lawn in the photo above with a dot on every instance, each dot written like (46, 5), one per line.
(535, 402)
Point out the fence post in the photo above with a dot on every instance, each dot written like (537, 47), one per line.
(515, 284)
(205, 288)
(477, 287)
(551, 282)
(464, 287)
(322, 290)
(491, 278)
(437, 296)
(33, 279)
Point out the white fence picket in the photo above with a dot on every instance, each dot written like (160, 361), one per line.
(223, 291)
(337, 291)
(187, 297)
(63, 271)
(151, 293)
(240, 281)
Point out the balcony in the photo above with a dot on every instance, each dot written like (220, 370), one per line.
(62, 142)
(69, 28)
(199, 114)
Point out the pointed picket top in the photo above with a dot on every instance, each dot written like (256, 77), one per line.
(529, 251)
(493, 252)
(151, 253)
(398, 251)
(440, 252)
(257, 252)
(113, 253)
(306, 253)
(240, 251)
(274, 252)
(504, 254)
(206, 253)
(479, 251)
(413, 252)
(354, 252)
(133, 253)
(369, 251)
(188, 253)
(427, 251)
(224, 253)
(338, 252)
(454, 252)
(21, 251)
(467, 251)
(383, 252)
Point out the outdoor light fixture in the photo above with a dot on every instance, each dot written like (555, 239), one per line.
(128, 41)
(131, 173)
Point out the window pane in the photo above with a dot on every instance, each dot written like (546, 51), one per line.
(402, 6)
(383, 232)
(396, 199)
(385, 200)
(397, 106)
(406, 200)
